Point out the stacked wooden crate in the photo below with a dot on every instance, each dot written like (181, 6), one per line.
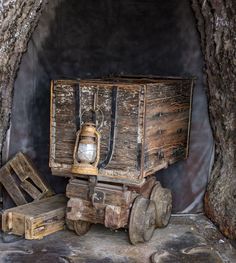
(24, 184)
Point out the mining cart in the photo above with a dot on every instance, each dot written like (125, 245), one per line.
(111, 136)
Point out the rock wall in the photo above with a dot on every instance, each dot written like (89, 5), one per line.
(18, 19)
(217, 26)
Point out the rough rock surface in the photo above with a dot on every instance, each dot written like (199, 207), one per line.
(217, 27)
(18, 19)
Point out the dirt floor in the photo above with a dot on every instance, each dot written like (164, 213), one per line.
(187, 239)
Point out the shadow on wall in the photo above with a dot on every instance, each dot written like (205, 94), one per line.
(80, 39)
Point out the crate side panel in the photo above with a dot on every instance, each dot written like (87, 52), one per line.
(167, 123)
(125, 161)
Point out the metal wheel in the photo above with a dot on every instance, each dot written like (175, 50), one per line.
(142, 220)
(81, 227)
(163, 202)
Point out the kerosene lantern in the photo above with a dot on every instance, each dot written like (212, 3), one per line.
(87, 150)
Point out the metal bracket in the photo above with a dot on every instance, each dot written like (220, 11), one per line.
(92, 184)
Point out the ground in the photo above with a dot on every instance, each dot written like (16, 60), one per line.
(189, 238)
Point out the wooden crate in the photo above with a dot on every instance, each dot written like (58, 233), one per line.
(37, 219)
(145, 124)
(20, 178)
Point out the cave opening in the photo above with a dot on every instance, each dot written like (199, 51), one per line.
(86, 39)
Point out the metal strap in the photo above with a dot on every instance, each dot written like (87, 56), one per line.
(105, 162)
(78, 117)
(77, 108)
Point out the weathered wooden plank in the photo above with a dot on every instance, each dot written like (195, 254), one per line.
(87, 212)
(20, 174)
(37, 219)
(116, 217)
(167, 123)
(103, 193)
(145, 189)
(24, 168)
(45, 224)
(10, 185)
(31, 190)
(170, 140)
(19, 167)
(152, 116)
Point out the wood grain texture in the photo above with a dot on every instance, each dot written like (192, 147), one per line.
(216, 21)
(168, 109)
(217, 27)
(17, 22)
(11, 187)
(79, 209)
(19, 176)
(37, 219)
(151, 126)
(108, 205)
(105, 194)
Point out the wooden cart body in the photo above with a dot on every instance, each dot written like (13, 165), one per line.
(144, 124)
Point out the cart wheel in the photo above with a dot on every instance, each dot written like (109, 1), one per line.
(163, 201)
(142, 220)
(81, 227)
(70, 224)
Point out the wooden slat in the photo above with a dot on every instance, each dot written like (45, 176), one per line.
(45, 224)
(19, 166)
(87, 212)
(22, 168)
(11, 187)
(167, 123)
(31, 190)
(112, 196)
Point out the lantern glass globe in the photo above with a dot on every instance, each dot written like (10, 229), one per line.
(87, 152)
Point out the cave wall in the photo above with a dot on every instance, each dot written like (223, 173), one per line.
(17, 22)
(93, 39)
(217, 27)
(216, 21)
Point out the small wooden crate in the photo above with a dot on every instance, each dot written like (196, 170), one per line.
(20, 178)
(37, 219)
(144, 124)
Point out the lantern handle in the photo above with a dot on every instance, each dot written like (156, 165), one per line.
(97, 110)
(76, 145)
(98, 137)
(102, 121)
